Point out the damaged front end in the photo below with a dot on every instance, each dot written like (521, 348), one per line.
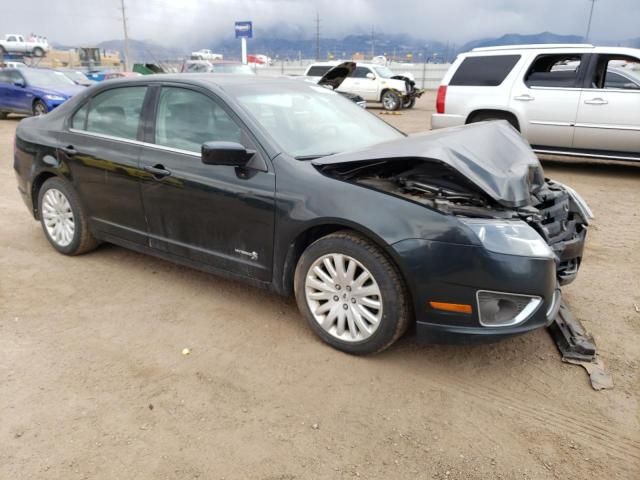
(512, 236)
(554, 213)
(412, 92)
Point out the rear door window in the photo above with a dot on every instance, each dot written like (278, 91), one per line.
(559, 71)
(486, 71)
(115, 112)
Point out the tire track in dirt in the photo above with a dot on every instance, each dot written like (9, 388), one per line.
(596, 433)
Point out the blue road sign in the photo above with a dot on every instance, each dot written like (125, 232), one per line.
(244, 30)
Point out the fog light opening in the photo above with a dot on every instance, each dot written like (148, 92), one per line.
(497, 309)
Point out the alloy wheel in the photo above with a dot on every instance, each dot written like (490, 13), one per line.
(389, 101)
(39, 109)
(343, 297)
(58, 217)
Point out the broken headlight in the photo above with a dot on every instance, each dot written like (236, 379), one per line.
(511, 237)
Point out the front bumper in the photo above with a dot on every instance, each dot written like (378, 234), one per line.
(452, 273)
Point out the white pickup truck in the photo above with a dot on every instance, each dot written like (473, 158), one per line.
(14, 43)
(205, 54)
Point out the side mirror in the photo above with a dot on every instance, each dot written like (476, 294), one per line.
(371, 76)
(630, 86)
(19, 83)
(226, 153)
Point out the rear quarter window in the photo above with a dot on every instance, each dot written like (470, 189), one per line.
(489, 71)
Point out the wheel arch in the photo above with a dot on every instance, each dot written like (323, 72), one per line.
(506, 114)
(315, 232)
(38, 181)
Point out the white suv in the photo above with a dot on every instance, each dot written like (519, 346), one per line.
(374, 83)
(565, 99)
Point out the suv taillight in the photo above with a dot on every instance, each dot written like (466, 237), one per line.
(442, 93)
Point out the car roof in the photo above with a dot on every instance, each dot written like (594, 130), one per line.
(207, 80)
(554, 48)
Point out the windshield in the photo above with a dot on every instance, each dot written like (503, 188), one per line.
(237, 69)
(383, 72)
(46, 78)
(77, 76)
(313, 121)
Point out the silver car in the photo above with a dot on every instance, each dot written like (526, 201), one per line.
(576, 100)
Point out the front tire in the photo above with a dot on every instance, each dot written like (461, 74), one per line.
(351, 294)
(63, 218)
(391, 101)
(39, 108)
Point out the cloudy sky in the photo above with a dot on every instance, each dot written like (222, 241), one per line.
(186, 22)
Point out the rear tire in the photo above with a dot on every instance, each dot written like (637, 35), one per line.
(391, 101)
(491, 116)
(38, 52)
(63, 218)
(351, 294)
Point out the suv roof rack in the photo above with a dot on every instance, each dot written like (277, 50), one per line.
(534, 46)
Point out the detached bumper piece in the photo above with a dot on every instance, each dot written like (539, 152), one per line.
(578, 347)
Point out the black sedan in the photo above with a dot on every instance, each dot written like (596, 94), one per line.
(289, 186)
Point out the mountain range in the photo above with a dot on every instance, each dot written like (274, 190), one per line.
(290, 44)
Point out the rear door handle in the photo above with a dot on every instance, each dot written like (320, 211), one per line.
(158, 171)
(596, 101)
(524, 98)
(69, 150)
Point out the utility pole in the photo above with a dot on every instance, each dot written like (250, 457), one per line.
(593, 3)
(373, 42)
(317, 36)
(126, 36)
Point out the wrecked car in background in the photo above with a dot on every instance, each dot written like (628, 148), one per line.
(374, 83)
(289, 186)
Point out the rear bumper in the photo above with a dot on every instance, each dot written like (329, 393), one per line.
(444, 120)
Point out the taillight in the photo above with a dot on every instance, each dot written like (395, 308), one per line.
(442, 93)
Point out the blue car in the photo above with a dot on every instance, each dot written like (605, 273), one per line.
(33, 91)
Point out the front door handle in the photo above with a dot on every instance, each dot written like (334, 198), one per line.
(596, 101)
(524, 98)
(158, 171)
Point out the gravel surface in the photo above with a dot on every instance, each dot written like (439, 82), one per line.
(95, 381)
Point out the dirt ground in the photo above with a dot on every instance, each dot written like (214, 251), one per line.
(93, 384)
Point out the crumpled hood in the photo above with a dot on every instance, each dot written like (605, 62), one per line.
(491, 155)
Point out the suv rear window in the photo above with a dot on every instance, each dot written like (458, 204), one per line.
(318, 71)
(488, 71)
